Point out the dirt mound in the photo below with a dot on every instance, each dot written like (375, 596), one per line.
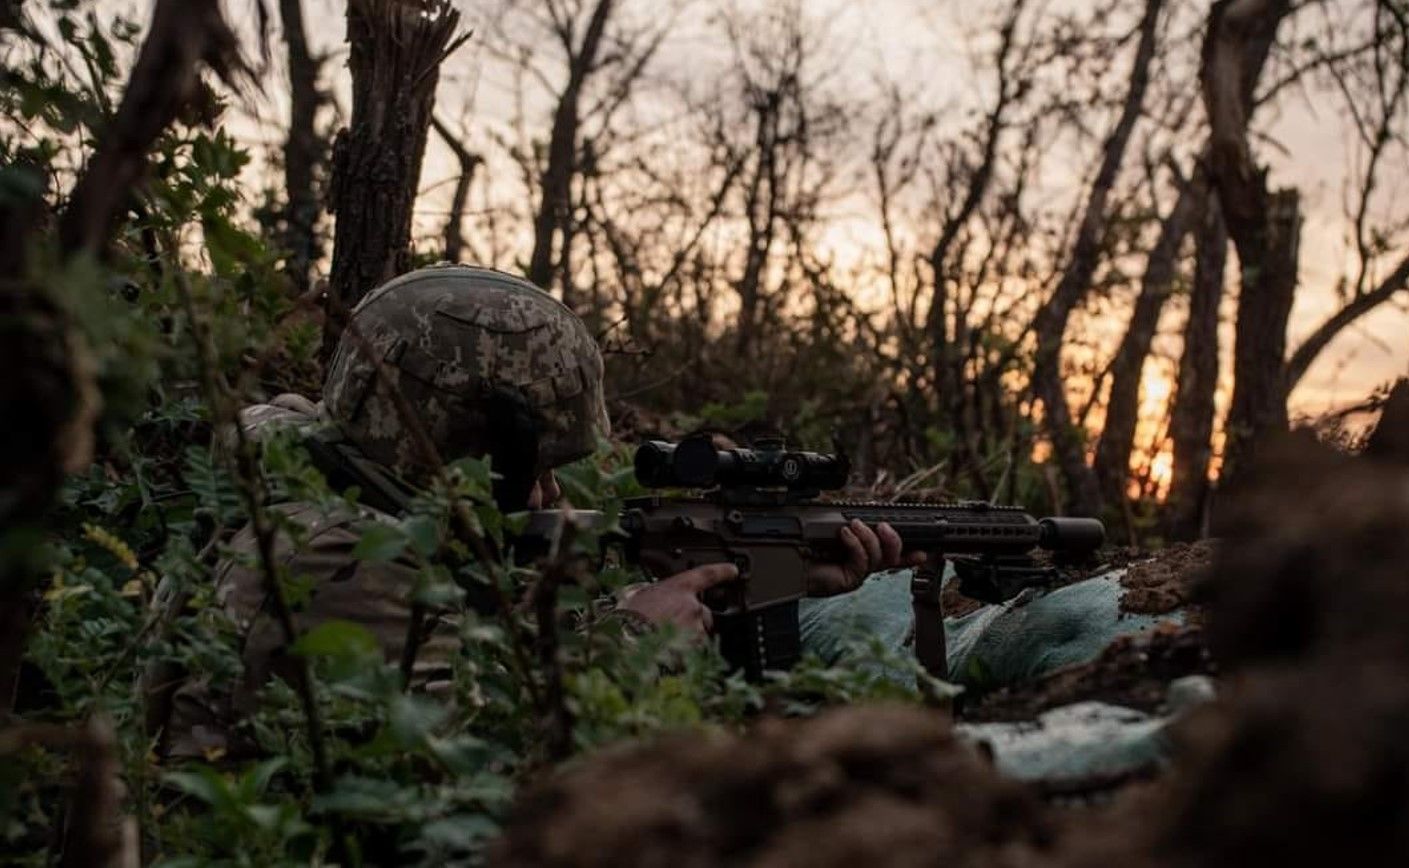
(1326, 747)
(1313, 561)
(1304, 760)
(1134, 671)
(1165, 582)
(854, 786)
(1298, 769)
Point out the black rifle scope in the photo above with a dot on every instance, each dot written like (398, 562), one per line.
(696, 463)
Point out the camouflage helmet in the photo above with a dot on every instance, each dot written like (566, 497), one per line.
(449, 337)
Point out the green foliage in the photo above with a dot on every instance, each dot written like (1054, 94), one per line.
(192, 296)
(752, 407)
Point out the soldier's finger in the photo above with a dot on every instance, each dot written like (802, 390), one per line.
(706, 620)
(855, 552)
(702, 578)
(870, 542)
(890, 544)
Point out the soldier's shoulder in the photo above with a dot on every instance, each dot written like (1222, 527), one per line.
(305, 524)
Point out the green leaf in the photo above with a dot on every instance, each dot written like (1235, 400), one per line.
(355, 795)
(205, 784)
(424, 533)
(255, 781)
(338, 639)
(380, 543)
(413, 718)
(460, 832)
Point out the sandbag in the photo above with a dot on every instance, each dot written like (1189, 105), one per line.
(1028, 637)
(1088, 744)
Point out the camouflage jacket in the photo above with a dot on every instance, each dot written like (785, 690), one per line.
(193, 715)
(196, 717)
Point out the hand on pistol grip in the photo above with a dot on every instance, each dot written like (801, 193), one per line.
(678, 599)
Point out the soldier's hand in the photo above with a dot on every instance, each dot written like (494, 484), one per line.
(867, 551)
(676, 600)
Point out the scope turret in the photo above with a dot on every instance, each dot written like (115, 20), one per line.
(696, 463)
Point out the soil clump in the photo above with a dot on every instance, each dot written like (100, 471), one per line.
(1134, 672)
(1165, 582)
(854, 786)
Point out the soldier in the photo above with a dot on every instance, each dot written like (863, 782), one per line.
(490, 366)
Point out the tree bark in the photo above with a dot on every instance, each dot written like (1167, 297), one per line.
(397, 47)
(1068, 443)
(554, 216)
(469, 163)
(1191, 419)
(1127, 370)
(761, 207)
(303, 151)
(1269, 275)
(1265, 227)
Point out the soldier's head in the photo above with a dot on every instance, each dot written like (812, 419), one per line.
(486, 363)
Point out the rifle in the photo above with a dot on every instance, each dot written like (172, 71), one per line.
(760, 509)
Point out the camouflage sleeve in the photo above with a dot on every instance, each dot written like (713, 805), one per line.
(632, 623)
(374, 595)
(201, 715)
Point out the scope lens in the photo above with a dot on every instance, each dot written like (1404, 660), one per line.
(696, 463)
(653, 463)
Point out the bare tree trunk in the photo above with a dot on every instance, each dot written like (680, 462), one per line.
(397, 47)
(469, 163)
(1123, 405)
(1191, 419)
(1265, 227)
(555, 204)
(1068, 443)
(303, 152)
(761, 207)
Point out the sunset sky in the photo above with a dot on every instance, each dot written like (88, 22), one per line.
(939, 50)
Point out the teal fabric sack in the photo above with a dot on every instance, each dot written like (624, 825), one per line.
(1030, 636)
